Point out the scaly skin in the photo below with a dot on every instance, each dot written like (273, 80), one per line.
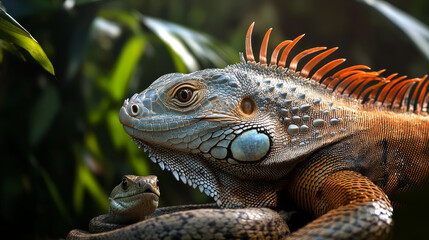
(136, 198)
(247, 223)
(133, 199)
(244, 133)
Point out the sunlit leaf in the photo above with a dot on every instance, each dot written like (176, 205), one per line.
(85, 180)
(117, 133)
(12, 49)
(125, 66)
(121, 139)
(43, 114)
(92, 145)
(93, 187)
(200, 44)
(413, 28)
(179, 38)
(78, 194)
(12, 32)
(179, 63)
(164, 31)
(96, 116)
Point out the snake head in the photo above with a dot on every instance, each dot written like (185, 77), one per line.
(134, 198)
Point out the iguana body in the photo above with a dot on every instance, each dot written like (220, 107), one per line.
(340, 146)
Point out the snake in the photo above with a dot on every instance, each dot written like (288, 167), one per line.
(134, 214)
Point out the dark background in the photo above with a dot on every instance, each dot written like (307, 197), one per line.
(62, 148)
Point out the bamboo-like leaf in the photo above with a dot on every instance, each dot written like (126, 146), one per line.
(179, 38)
(12, 32)
(413, 28)
(178, 61)
(12, 49)
(78, 194)
(117, 133)
(125, 67)
(91, 142)
(164, 30)
(85, 180)
(121, 139)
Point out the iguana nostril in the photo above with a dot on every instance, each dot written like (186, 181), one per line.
(135, 109)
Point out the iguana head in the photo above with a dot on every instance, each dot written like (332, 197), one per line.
(236, 132)
(212, 129)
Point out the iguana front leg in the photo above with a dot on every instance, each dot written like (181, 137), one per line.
(347, 205)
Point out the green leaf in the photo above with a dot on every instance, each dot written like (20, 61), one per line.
(12, 49)
(120, 140)
(125, 66)
(410, 26)
(117, 134)
(164, 31)
(178, 61)
(179, 39)
(12, 32)
(78, 194)
(85, 180)
(91, 142)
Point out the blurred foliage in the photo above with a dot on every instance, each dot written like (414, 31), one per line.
(62, 146)
(13, 34)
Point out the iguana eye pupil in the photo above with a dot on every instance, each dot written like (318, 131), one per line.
(247, 106)
(124, 184)
(184, 94)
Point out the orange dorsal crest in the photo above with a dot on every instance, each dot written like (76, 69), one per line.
(359, 82)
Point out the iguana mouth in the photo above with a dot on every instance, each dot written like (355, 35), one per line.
(167, 161)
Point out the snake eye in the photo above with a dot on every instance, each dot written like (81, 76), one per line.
(184, 94)
(124, 184)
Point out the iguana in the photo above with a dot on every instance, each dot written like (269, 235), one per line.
(339, 143)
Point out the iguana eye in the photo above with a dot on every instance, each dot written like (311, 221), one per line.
(124, 184)
(247, 106)
(184, 94)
